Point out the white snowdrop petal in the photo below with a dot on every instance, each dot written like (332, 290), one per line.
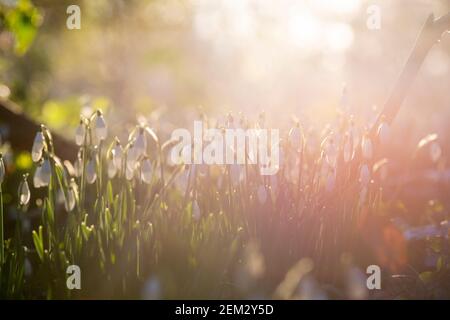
(69, 204)
(140, 144)
(101, 130)
(146, 171)
(45, 173)
(91, 174)
(117, 154)
(24, 193)
(80, 134)
(129, 173)
(112, 170)
(38, 146)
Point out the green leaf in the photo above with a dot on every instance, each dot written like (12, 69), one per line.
(22, 21)
(39, 243)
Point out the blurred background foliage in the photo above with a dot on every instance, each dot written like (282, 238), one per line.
(177, 56)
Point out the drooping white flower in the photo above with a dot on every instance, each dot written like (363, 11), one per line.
(78, 167)
(112, 170)
(117, 155)
(24, 192)
(37, 178)
(129, 173)
(146, 171)
(262, 194)
(70, 202)
(383, 133)
(364, 175)
(46, 173)
(91, 174)
(366, 146)
(141, 143)
(132, 158)
(2, 169)
(195, 211)
(38, 146)
(101, 130)
(80, 134)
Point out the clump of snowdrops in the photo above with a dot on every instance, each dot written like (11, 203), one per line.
(141, 227)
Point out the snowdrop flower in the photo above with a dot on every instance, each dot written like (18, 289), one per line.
(37, 180)
(112, 170)
(383, 132)
(366, 145)
(42, 175)
(38, 146)
(70, 202)
(132, 158)
(435, 151)
(146, 171)
(101, 129)
(2, 169)
(129, 173)
(80, 134)
(364, 175)
(262, 194)
(141, 143)
(91, 174)
(46, 172)
(78, 167)
(24, 191)
(195, 211)
(117, 155)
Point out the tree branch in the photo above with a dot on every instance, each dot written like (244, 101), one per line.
(22, 129)
(431, 32)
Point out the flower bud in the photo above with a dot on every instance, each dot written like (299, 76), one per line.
(24, 192)
(101, 129)
(38, 146)
(80, 134)
(91, 174)
(146, 171)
